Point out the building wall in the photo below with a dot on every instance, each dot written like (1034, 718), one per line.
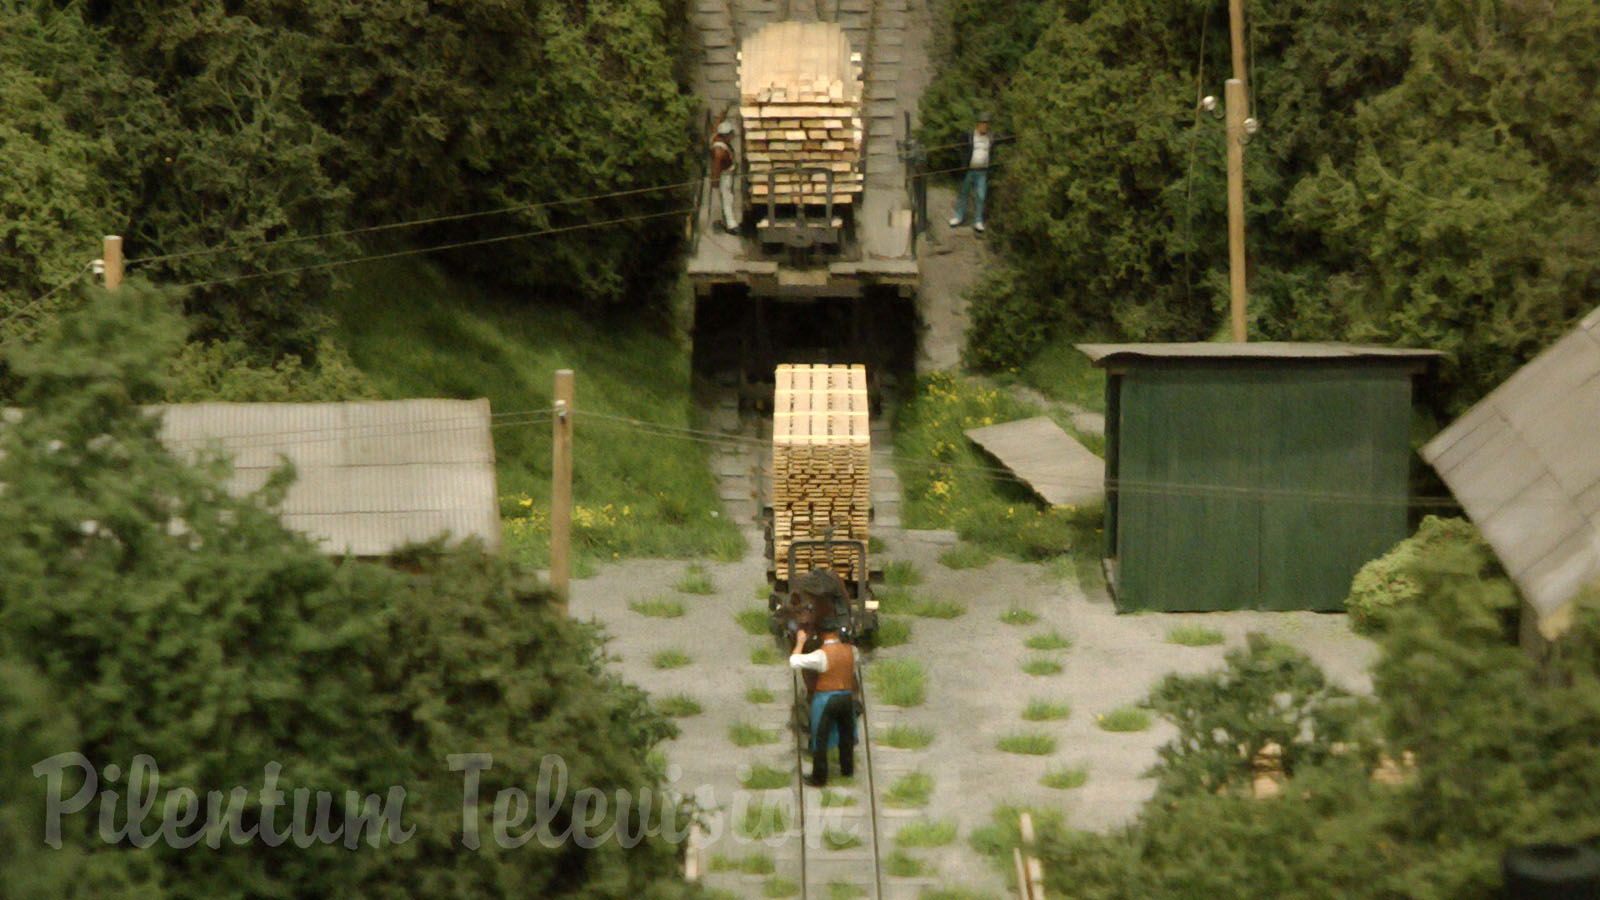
(1256, 486)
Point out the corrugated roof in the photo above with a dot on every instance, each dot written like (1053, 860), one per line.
(370, 476)
(1525, 465)
(1100, 354)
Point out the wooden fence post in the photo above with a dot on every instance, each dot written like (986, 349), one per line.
(111, 256)
(561, 487)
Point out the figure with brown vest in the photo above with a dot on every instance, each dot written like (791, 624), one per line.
(833, 705)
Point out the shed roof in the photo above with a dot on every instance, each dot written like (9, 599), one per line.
(370, 476)
(1524, 465)
(1102, 354)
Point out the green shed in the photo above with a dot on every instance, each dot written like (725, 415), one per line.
(1252, 476)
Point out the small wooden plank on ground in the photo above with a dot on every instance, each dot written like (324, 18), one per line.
(1046, 459)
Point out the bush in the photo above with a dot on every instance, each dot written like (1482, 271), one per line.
(1391, 581)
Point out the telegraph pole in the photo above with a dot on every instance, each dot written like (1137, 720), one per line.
(1237, 131)
(111, 256)
(561, 487)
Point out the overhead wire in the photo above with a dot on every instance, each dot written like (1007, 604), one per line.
(1194, 141)
(35, 302)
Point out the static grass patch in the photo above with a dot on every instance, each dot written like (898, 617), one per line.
(764, 655)
(839, 839)
(1047, 640)
(892, 632)
(1124, 718)
(755, 693)
(909, 790)
(763, 591)
(696, 580)
(679, 706)
(1016, 615)
(764, 778)
(906, 737)
(1194, 636)
(749, 864)
(744, 734)
(900, 864)
(965, 556)
(897, 682)
(657, 607)
(1039, 710)
(875, 545)
(954, 893)
(1061, 372)
(925, 834)
(1066, 779)
(901, 573)
(671, 659)
(778, 887)
(844, 890)
(752, 620)
(833, 798)
(763, 820)
(1040, 665)
(1027, 743)
(459, 338)
(902, 601)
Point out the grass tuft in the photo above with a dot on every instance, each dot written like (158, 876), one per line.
(844, 890)
(758, 694)
(906, 737)
(1047, 640)
(744, 734)
(839, 839)
(763, 820)
(901, 573)
(1194, 636)
(670, 659)
(911, 789)
(679, 706)
(900, 864)
(657, 607)
(898, 682)
(925, 834)
(833, 798)
(765, 778)
(1027, 743)
(1016, 615)
(696, 580)
(764, 655)
(900, 600)
(1040, 665)
(875, 545)
(1065, 779)
(749, 864)
(778, 887)
(752, 620)
(1045, 710)
(763, 591)
(892, 632)
(965, 556)
(1124, 718)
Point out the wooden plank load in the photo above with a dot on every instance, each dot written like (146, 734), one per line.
(800, 101)
(821, 463)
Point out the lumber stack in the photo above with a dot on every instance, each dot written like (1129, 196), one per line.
(800, 102)
(821, 462)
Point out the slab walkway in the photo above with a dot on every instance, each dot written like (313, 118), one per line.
(1046, 459)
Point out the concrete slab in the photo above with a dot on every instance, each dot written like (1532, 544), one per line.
(1047, 459)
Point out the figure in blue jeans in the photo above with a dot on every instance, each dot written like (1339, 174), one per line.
(976, 183)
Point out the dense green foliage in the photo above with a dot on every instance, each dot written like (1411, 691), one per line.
(263, 127)
(1391, 581)
(1496, 750)
(1424, 175)
(145, 611)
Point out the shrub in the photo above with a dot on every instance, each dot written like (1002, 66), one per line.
(696, 580)
(1040, 665)
(670, 659)
(1045, 711)
(911, 789)
(764, 778)
(1048, 640)
(657, 607)
(897, 682)
(1123, 718)
(1194, 636)
(678, 706)
(1391, 581)
(965, 556)
(744, 734)
(925, 834)
(1065, 779)
(1016, 615)
(1028, 743)
(906, 737)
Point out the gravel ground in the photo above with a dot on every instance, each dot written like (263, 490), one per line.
(975, 693)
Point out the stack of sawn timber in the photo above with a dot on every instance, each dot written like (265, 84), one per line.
(800, 101)
(821, 463)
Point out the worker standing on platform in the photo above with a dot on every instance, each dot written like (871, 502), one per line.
(833, 704)
(722, 171)
(975, 186)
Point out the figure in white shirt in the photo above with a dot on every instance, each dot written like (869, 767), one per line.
(833, 706)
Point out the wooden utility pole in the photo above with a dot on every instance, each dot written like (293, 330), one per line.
(561, 487)
(1236, 113)
(111, 256)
